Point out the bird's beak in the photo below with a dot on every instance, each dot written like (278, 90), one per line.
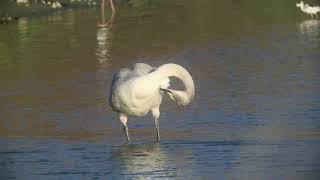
(166, 91)
(169, 93)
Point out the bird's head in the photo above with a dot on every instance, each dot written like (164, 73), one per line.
(300, 4)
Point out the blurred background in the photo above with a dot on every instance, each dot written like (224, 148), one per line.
(255, 114)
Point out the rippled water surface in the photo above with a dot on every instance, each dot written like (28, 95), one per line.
(256, 113)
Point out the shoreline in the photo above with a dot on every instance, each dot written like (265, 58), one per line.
(11, 10)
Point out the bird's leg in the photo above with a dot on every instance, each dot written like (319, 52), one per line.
(156, 122)
(311, 16)
(317, 15)
(156, 115)
(123, 119)
(125, 129)
(112, 7)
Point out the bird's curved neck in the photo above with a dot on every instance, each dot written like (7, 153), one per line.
(174, 70)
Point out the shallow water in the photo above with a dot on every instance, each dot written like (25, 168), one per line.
(255, 114)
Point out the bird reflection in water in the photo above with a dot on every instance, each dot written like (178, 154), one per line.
(310, 28)
(23, 26)
(310, 32)
(141, 160)
(103, 37)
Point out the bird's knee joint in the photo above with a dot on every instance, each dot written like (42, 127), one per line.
(123, 119)
(156, 113)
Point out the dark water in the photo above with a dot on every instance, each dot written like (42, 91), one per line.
(256, 114)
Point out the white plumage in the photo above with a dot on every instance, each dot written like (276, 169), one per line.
(312, 10)
(137, 91)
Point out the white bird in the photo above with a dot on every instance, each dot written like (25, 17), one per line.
(138, 91)
(312, 10)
